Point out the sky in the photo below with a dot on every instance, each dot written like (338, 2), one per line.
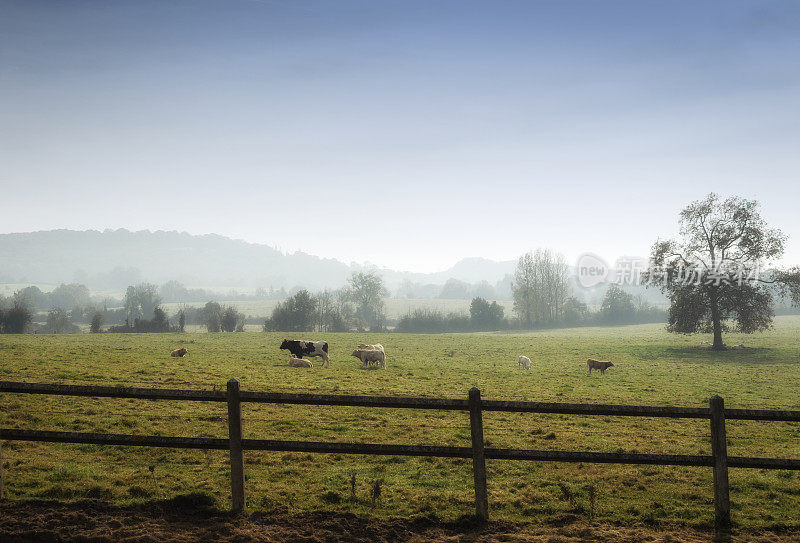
(405, 134)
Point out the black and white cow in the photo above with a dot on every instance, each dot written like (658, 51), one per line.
(301, 349)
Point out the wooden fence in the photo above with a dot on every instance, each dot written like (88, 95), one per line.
(236, 444)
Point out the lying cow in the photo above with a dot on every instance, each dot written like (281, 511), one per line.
(179, 352)
(300, 363)
(369, 356)
(598, 365)
(524, 362)
(307, 348)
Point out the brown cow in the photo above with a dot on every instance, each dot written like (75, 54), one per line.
(179, 352)
(598, 365)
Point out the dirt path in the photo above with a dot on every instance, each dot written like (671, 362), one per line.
(182, 520)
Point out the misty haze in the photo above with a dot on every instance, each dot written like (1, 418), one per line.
(416, 271)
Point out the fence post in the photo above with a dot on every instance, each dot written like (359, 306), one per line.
(2, 489)
(478, 458)
(235, 440)
(719, 449)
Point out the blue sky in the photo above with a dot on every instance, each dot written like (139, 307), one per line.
(407, 134)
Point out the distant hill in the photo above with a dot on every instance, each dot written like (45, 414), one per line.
(113, 259)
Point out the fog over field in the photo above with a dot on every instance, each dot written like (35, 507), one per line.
(406, 134)
(382, 271)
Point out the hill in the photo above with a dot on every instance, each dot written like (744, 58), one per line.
(113, 259)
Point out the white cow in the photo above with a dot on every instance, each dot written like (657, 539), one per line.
(300, 363)
(368, 356)
(524, 362)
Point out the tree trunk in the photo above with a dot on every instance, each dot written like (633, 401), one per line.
(716, 320)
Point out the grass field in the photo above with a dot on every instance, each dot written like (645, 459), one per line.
(652, 367)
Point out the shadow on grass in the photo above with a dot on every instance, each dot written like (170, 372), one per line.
(197, 517)
(746, 356)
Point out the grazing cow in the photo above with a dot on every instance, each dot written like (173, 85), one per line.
(598, 365)
(179, 352)
(368, 356)
(300, 363)
(367, 347)
(524, 362)
(307, 348)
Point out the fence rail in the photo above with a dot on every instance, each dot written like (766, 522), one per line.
(236, 444)
(405, 402)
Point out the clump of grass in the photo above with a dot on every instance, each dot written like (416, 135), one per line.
(331, 497)
(98, 493)
(68, 473)
(567, 494)
(58, 492)
(136, 491)
(192, 500)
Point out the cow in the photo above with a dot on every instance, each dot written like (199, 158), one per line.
(367, 347)
(300, 363)
(368, 356)
(598, 365)
(307, 348)
(179, 352)
(524, 362)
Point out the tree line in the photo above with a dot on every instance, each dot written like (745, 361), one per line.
(141, 312)
(720, 238)
(618, 307)
(359, 306)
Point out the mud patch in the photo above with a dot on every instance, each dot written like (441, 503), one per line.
(191, 518)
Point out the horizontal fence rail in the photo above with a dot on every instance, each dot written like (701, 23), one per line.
(715, 413)
(397, 402)
(392, 450)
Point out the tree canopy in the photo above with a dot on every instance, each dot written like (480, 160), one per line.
(719, 270)
(295, 314)
(485, 315)
(540, 287)
(367, 290)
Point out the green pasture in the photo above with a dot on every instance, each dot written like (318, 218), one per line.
(651, 367)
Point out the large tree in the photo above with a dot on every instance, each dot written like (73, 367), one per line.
(58, 322)
(334, 311)
(232, 319)
(718, 271)
(211, 316)
(141, 301)
(366, 290)
(295, 314)
(540, 287)
(617, 306)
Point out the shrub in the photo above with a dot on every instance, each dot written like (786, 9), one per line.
(15, 320)
(97, 322)
(431, 321)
